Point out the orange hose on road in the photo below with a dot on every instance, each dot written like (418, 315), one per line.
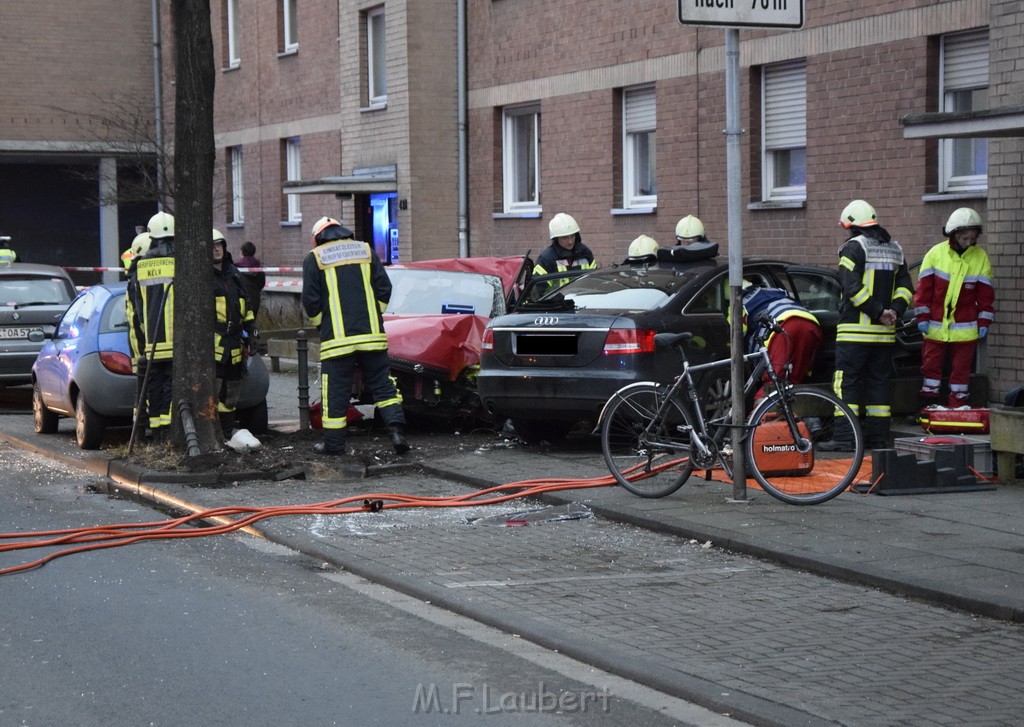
(111, 536)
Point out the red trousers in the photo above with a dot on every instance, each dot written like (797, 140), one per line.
(933, 359)
(798, 345)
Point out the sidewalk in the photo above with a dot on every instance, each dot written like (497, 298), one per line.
(959, 550)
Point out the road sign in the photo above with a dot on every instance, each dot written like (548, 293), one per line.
(743, 13)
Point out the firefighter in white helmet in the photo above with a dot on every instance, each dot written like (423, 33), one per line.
(876, 291)
(690, 230)
(953, 306)
(140, 246)
(566, 251)
(643, 249)
(233, 330)
(345, 290)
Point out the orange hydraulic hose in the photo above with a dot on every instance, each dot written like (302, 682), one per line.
(110, 536)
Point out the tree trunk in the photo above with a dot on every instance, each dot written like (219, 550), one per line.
(193, 269)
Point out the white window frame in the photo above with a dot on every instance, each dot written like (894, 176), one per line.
(293, 173)
(376, 57)
(289, 25)
(783, 128)
(964, 63)
(639, 124)
(237, 186)
(231, 23)
(521, 158)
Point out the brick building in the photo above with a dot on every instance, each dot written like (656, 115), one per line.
(77, 124)
(617, 119)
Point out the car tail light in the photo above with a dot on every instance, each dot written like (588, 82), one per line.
(621, 341)
(117, 362)
(487, 342)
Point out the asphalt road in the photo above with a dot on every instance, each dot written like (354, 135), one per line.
(237, 630)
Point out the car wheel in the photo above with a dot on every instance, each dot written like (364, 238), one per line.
(44, 420)
(255, 418)
(88, 425)
(715, 391)
(540, 430)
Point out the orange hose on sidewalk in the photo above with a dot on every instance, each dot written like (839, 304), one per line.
(110, 536)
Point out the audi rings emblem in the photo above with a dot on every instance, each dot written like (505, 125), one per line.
(545, 321)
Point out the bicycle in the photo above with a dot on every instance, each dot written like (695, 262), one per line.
(654, 435)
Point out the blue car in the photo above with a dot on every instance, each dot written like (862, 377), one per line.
(84, 371)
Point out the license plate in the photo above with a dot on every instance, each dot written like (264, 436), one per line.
(12, 332)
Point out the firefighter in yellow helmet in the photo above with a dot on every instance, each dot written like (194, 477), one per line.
(566, 251)
(150, 309)
(690, 230)
(345, 290)
(140, 246)
(954, 307)
(7, 255)
(643, 249)
(876, 291)
(233, 329)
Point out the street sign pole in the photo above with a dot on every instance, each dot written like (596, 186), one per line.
(733, 14)
(734, 197)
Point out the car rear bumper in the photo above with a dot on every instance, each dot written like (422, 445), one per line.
(549, 395)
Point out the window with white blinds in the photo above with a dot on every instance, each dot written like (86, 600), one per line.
(639, 150)
(784, 131)
(963, 163)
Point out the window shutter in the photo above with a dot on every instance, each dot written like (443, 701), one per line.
(785, 106)
(965, 61)
(640, 113)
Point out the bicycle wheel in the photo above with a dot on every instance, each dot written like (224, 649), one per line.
(774, 459)
(647, 455)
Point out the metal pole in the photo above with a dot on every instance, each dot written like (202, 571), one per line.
(302, 349)
(463, 123)
(733, 131)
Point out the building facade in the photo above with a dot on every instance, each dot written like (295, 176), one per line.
(617, 118)
(76, 130)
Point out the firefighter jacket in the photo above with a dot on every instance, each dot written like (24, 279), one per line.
(764, 306)
(556, 259)
(873, 275)
(231, 313)
(954, 293)
(150, 303)
(345, 289)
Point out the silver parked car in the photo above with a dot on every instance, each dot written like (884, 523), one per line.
(32, 300)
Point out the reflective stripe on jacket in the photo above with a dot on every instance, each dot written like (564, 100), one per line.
(954, 293)
(874, 276)
(151, 327)
(345, 289)
(773, 304)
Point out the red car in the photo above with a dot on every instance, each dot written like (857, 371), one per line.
(435, 322)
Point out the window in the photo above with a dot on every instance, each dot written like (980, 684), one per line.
(963, 163)
(233, 59)
(292, 165)
(376, 57)
(521, 159)
(289, 26)
(639, 166)
(236, 197)
(784, 131)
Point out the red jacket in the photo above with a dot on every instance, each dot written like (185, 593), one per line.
(954, 293)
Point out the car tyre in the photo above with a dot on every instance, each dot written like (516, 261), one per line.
(256, 418)
(533, 431)
(89, 425)
(44, 421)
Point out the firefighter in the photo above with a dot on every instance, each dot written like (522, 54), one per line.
(139, 247)
(643, 250)
(953, 306)
(566, 251)
(690, 230)
(233, 331)
(344, 292)
(7, 255)
(800, 338)
(150, 309)
(877, 290)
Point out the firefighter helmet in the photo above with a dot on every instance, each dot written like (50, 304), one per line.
(858, 214)
(643, 246)
(140, 245)
(323, 231)
(689, 228)
(562, 225)
(161, 225)
(962, 219)
(218, 236)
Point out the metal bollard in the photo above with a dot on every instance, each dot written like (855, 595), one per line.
(302, 349)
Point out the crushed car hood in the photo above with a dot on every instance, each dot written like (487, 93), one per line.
(504, 267)
(449, 342)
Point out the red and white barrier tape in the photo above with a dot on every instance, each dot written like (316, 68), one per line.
(241, 270)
